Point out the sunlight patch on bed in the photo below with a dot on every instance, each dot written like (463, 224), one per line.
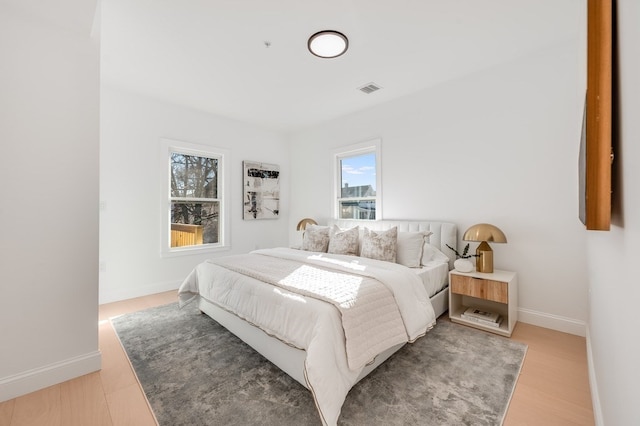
(347, 264)
(341, 287)
(289, 295)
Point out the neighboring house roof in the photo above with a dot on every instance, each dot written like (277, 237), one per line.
(358, 191)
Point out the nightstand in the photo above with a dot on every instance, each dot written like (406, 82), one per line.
(495, 292)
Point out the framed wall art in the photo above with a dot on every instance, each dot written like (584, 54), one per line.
(261, 186)
(596, 153)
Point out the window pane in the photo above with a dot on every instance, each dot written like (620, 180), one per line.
(354, 209)
(194, 223)
(358, 176)
(194, 177)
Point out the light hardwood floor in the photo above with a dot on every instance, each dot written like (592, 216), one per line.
(553, 388)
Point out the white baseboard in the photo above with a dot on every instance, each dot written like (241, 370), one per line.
(108, 296)
(554, 322)
(49, 375)
(593, 384)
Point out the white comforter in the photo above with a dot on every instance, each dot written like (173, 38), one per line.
(290, 310)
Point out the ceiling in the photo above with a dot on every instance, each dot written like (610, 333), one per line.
(211, 55)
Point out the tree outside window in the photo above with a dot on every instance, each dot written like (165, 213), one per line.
(195, 206)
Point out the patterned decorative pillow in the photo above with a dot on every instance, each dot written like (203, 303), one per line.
(343, 241)
(380, 245)
(316, 238)
(410, 247)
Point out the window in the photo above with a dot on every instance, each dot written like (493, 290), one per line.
(194, 215)
(358, 182)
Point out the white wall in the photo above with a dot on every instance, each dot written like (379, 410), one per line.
(614, 286)
(500, 146)
(132, 126)
(49, 99)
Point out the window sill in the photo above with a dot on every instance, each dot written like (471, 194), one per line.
(192, 251)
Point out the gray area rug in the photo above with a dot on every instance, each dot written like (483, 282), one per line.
(195, 372)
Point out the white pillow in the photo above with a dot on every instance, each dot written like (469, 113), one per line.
(343, 241)
(380, 245)
(316, 238)
(410, 248)
(430, 254)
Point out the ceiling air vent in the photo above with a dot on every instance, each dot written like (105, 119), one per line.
(369, 88)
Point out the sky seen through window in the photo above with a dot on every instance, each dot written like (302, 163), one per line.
(359, 170)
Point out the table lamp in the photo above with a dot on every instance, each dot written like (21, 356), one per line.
(304, 222)
(483, 232)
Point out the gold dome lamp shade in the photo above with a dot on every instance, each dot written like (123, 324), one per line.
(304, 222)
(483, 233)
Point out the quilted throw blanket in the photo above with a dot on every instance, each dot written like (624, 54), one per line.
(371, 318)
(342, 310)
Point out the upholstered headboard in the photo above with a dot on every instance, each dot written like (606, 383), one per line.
(443, 233)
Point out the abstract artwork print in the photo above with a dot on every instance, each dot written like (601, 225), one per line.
(261, 187)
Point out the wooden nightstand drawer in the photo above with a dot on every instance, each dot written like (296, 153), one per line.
(496, 291)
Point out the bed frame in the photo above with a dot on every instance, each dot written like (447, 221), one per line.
(290, 359)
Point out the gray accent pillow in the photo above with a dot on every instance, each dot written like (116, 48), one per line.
(381, 245)
(410, 248)
(343, 241)
(316, 238)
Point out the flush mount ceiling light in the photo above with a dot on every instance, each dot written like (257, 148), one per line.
(328, 44)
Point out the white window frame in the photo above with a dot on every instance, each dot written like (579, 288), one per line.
(168, 147)
(371, 146)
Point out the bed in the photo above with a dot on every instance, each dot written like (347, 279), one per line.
(317, 338)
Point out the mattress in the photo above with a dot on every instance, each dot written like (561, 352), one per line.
(434, 276)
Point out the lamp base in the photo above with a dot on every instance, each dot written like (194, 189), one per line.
(484, 261)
